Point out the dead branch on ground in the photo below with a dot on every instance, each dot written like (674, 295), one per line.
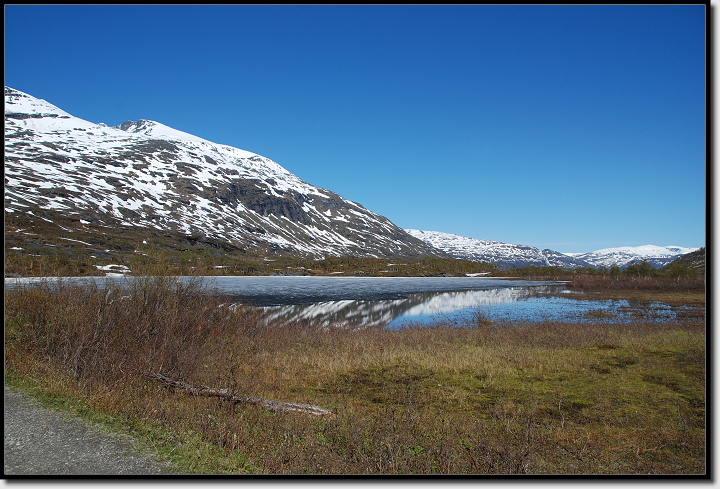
(227, 395)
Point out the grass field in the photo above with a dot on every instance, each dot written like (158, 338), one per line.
(548, 398)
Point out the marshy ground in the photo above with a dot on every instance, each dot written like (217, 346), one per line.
(488, 398)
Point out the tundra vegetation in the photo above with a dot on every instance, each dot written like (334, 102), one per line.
(486, 398)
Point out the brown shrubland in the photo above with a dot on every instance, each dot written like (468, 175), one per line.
(486, 398)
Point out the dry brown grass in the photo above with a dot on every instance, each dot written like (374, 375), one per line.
(600, 282)
(683, 291)
(548, 398)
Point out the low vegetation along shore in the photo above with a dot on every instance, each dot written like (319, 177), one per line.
(548, 398)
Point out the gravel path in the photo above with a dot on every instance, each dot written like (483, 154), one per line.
(43, 442)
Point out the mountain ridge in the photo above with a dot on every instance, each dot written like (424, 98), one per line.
(504, 255)
(143, 174)
(507, 255)
(624, 256)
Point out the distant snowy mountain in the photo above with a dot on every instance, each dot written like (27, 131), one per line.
(145, 175)
(658, 256)
(504, 255)
(507, 255)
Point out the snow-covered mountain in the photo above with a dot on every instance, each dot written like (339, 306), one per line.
(507, 255)
(504, 255)
(658, 256)
(145, 175)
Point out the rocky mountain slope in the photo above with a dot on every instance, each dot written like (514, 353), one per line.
(504, 255)
(144, 175)
(694, 259)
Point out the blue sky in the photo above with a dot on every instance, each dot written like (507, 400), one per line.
(573, 128)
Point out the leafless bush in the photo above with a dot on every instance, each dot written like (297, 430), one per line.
(152, 324)
(625, 282)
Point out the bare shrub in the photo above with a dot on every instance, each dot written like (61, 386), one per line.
(153, 324)
(627, 282)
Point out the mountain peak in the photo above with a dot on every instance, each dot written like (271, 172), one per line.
(146, 176)
(17, 102)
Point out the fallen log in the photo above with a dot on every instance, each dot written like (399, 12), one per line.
(227, 395)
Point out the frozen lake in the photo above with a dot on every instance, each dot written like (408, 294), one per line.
(282, 290)
(398, 301)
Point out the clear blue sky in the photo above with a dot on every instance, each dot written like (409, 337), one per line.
(573, 128)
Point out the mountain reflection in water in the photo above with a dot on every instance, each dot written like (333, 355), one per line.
(363, 313)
